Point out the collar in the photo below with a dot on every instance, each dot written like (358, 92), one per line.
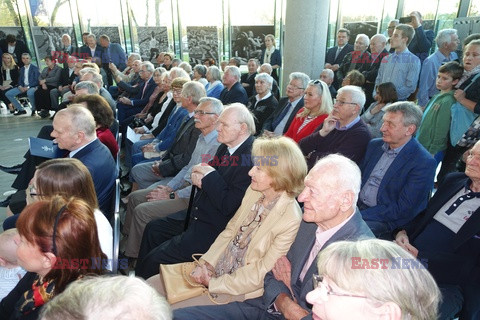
(348, 126)
(233, 149)
(209, 137)
(468, 183)
(392, 152)
(264, 98)
(73, 152)
(402, 52)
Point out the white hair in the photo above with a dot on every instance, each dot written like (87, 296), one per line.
(357, 94)
(445, 36)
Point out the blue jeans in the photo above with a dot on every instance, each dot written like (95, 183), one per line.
(13, 93)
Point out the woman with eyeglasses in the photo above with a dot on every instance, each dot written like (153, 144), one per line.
(260, 232)
(317, 106)
(368, 279)
(57, 244)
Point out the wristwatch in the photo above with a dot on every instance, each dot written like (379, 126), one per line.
(172, 195)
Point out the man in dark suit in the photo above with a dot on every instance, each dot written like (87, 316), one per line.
(112, 53)
(330, 214)
(280, 120)
(66, 79)
(127, 107)
(397, 172)
(377, 53)
(80, 139)
(248, 79)
(327, 76)
(222, 185)
(446, 237)
(423, 39)
(233, 91)
(67, 50)
(91, 49)
(358, 59)
(16, 47)
(335, 55)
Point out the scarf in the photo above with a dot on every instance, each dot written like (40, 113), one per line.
(268, 54)
(467, 74)
(36, 297)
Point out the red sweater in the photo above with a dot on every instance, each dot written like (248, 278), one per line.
(106, 137)
(307, 130)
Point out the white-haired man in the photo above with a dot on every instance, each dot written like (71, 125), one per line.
(359, 59)
(233, 91)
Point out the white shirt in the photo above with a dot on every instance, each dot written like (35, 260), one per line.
(26, 68)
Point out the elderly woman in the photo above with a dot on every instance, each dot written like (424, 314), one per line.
(353, 78)
(317, 106)
(200, 74)
(366, 279)
(57, 244)
(8, 78)
(271, 55)
(263, 103)
(373, 117)
(214, 86)
(260, 232)
(49, 79)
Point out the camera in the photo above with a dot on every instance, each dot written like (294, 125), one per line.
(405, 19)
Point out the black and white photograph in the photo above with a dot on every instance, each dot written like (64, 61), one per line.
(202, 43)
(49, 39)
(112, 32)
(16, 31)
(369, 28)
(248, 41)
(152, 41)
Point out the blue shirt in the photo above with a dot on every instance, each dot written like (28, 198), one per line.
(403, 70)
(427, 87)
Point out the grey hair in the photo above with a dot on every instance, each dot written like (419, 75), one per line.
(108, 297)
(149, 66)
(265, 77)
(66, 35)
(194, 90)
(234, 71)
(160, 70)
(343, 171)
(268, 67)
(201, 70)
(81, 118)
(380, 36)
(412, 289)
(215, 104)
(185, 66)
(243, 115)
(135, 55)
(444, 36)
(412, 114)
(91, 35)
(215, 73)
(96, 77)
(305, 79)
(358, 96)
(105, 37)
(177, 72)
(90, 86)
(365, 37)
(396, 21)
(329, 72)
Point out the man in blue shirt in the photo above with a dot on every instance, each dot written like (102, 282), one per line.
(402, 67)
(112, 52)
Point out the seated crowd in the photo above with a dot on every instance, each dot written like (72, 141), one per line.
(214, 165)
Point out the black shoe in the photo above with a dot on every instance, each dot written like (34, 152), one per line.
(6, 202)
(12, 170)
(33, 113)
(44, 114)
(17, 113)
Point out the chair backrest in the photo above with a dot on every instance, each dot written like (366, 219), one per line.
(116, 228)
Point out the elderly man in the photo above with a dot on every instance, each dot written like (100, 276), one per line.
(342, 131)
(91, 49)
(128, 107)
(335, 55)
(397, 172)
(402, 67)
(74, 130)
(391, 26)
(90, 74)
(330, 214)
(223, 185)
(328, 76)
(378, 52)
(171, 195)
(66, 51)
(112, 53)
(358, 59)
(248, 79)
(267, 68)
(445, 236)
(233, 91)
(278, 123)
(67, 77)
(447, 42)
(27, 83)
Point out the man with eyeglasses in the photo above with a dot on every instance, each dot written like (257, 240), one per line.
(168, 196)
(281, 118)
(330, 215)
(342, 131)
(397, 172)
(127, 107)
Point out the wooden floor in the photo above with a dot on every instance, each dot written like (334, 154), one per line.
(14, 133)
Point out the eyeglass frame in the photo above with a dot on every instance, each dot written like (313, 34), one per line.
(202, 113)
(341, 103)
(327, 291)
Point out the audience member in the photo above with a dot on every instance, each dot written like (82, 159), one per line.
(397, 172)
(10, 272)
(377, 53)
(354, 78)
(329, 197)
(52, 237)
(342, 131)
(373, 116)
(167, 61)
(67, 77)
(421, 43)
(49, 79)
(358, 59)
(365, 278)
(271, 55)
(248, 79)
(108, 297)
(401, 67)
(91, 75)
(447, 42)
(335, 55)
(8, 79)
(318, 104)
(254, 239)
(280, 120)
(112, 53)
(222, 183)
(327, 76)
(91, 49)
(200, 74)
(214, 86)
(15, 47)
(391, 27)
(233, 90)
(263, 103)
(267, 68)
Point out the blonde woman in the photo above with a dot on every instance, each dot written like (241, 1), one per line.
(8, 78)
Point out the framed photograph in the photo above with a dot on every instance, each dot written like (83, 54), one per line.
(202, 44)
(152, 41)
(248, 41)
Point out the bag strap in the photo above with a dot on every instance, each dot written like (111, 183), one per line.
(473, 80)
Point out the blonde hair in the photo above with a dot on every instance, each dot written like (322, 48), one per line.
(12, 66)
(326, 105)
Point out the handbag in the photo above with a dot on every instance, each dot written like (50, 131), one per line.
(180, 286)
(462, 118)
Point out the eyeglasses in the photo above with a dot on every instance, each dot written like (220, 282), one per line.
(202, 113)
(54, 236)
(326, 291)
(177, 91)
(341, 103)
(142, 71)
(295, 87)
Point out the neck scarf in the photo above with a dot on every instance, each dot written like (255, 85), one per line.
(40, 293)
(468, 74)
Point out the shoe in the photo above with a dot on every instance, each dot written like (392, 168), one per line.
(12, 170)
(44, 114)
(6, 202)
(17, 113)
